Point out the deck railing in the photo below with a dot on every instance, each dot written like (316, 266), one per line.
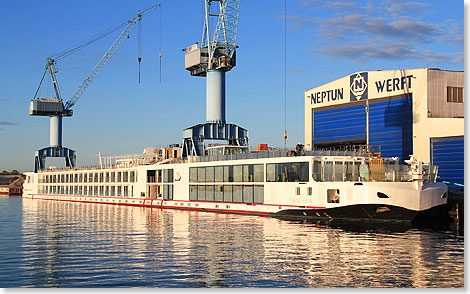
(275, 153)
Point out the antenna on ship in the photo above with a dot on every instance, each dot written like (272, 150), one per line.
(101, 162)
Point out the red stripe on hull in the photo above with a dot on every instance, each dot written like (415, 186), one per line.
(159, 203)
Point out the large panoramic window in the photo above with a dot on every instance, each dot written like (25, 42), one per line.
(168, 175)
(167, 192)
(219, 174)
(229, 173)
(237, 173)
(210, 174)
(193, 175)
(201, 174)
(227, 193)
(287, 172)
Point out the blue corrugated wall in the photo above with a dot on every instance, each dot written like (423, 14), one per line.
(390, 125)
(448, 154)
(341, 124)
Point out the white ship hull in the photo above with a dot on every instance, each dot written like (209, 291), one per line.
(256, 190)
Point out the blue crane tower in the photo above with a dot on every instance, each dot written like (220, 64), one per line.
(55, 107)
(212, 58)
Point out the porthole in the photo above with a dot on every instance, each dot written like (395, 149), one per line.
(382, 195)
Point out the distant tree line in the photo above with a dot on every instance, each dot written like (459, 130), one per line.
(13, 172)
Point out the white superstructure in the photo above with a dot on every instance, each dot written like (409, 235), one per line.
(331, 184)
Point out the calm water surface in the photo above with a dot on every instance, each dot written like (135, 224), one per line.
(60, 244)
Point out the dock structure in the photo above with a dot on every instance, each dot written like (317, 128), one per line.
(11, 185)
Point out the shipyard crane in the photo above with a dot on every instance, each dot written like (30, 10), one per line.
(212, 58)
(55, 107)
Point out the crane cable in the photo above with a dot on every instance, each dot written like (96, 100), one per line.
(160, 44)
(120, 24)
(285, 74)
(139, 58)
(79, 46)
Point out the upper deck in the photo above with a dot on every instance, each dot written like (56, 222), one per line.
(326, 165)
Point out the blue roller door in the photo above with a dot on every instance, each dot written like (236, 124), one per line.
(390, 126)
(448, 154)
(340, 124)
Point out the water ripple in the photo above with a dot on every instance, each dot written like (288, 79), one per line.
(58, 244)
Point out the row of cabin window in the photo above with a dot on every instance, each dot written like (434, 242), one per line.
(227, 173)
(160, 176)
(119, 191)
(102, 177)
(287, 172)
(227, 193)
(336, 171)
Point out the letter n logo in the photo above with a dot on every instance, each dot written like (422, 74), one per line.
(358, 86)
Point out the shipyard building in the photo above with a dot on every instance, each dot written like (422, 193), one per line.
(401, 112)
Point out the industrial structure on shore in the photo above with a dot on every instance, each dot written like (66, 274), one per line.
(403, 112)
(11, 185)
(56, 109)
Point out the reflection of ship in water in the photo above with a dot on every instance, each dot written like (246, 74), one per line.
(65, 242)
(382, 227)
(93, 244)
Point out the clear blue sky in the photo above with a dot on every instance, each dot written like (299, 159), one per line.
(326, 40)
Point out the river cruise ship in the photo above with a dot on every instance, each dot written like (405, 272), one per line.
(233, 179)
